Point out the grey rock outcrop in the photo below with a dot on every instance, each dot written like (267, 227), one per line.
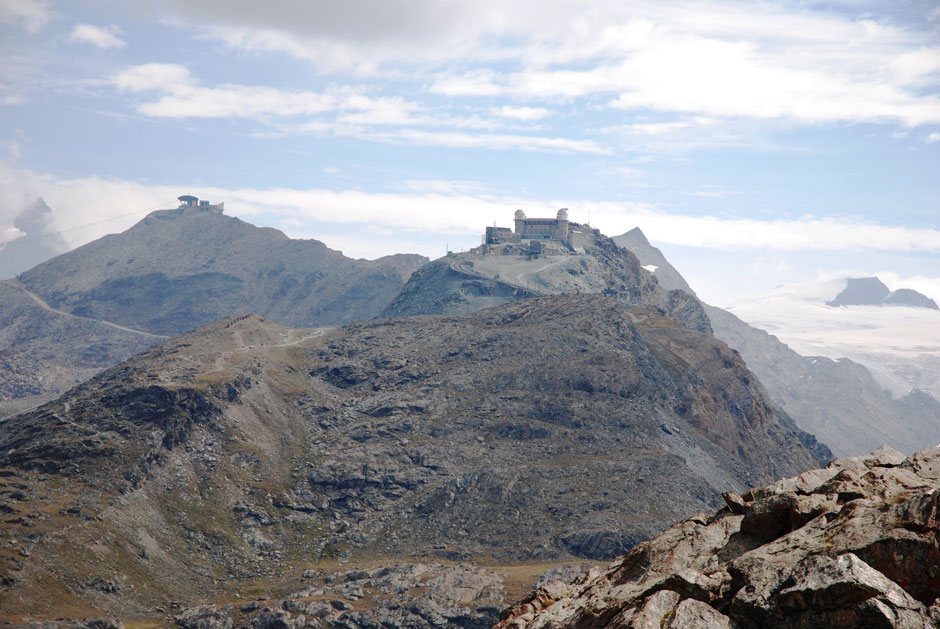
(668, 277)
(413, 596)
(852, 545)
(911, 298)
(861, 291)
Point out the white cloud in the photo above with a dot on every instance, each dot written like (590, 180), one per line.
(182, 98)
(630, 173)
(153, 76)
(711, 191)
(455, 210)
(706, 59)
(10, 150)
(655, 128)
(480, 82)
(356, 115)
(495, 141)
(933, 137)
(105, 37)
(520, 113)
(32, 15)
(383, 111)
(806, 233)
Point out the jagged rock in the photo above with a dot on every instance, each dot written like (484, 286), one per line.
(104, 623)
(693, 614)
(564, 574)
(655, 612)
(277, 620)
(869, 558)
(847, 590)
(204, 617)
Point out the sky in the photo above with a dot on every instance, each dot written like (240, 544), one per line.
(755, 143)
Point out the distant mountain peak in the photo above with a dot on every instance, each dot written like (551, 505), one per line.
(40, 240)
(871, 291)
(636, 235)
(910, 297)
(861, 291)
(653, 260)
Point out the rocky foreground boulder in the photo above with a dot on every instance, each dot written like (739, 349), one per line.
(852, 545)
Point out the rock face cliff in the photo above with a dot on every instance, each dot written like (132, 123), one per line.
(543, 429)
(852, 545)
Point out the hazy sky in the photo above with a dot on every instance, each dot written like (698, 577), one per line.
(756, 143)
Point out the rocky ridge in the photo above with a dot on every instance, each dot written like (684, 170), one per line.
(178, 269)
(541, 430)
(854, 544)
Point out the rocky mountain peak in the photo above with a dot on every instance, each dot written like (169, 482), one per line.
(636, 236)
(181, 268)
(485, 277)
(669, 278)
(861, 291)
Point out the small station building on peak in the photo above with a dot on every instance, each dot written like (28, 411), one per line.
(188, 200)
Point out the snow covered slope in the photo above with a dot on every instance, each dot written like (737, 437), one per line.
(899, 344)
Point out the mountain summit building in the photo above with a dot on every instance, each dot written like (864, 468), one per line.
(188, 200)
(530, 229)
(535, 236)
